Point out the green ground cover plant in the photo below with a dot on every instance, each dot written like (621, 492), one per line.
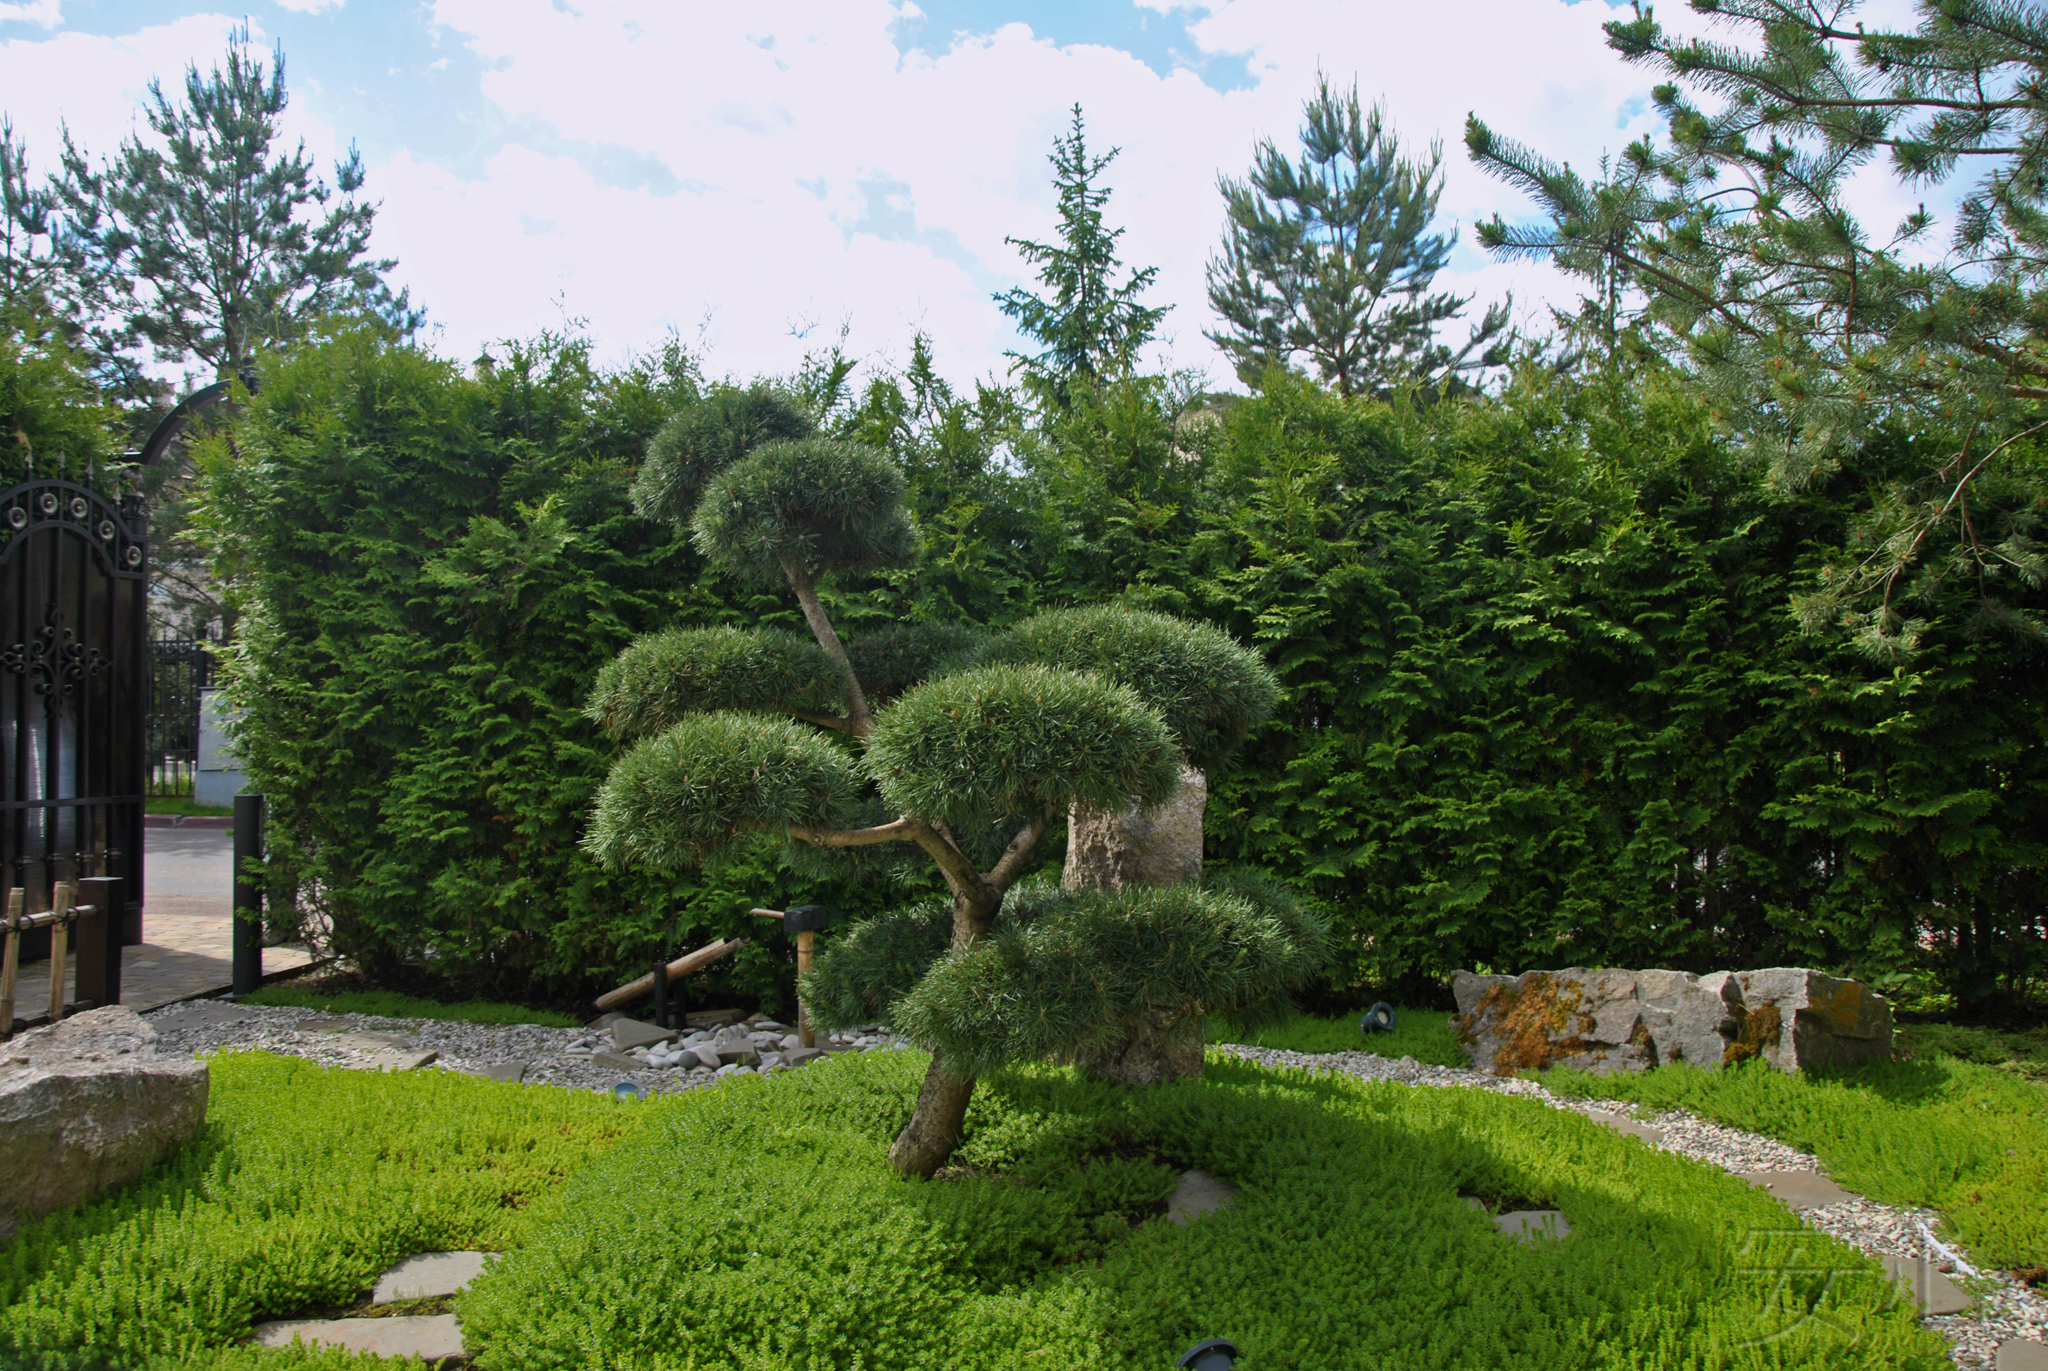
(1968, 1140)
(305, 1185)
(389, 1004)
(1424, 1034)
(186, 805)
(760, 1226)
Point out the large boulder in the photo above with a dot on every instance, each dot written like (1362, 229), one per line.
(1690, 1018)
(1608, 1020)
(87, 1105)
(1577, 1017)
(1802, 1020)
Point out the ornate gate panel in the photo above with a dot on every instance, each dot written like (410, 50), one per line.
(74, 694)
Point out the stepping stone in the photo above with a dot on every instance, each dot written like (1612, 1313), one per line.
(321, 1024)
(1798, 1189)
(1527, 1225)
(714, 1018)
(617, 1061)
(432, 1337)
(368, 1042)
(428, 1276)
(1933, 1291)
(632, 1033)
(1621, 1123)
(2017, 1354)
(1197, 1194)
(800, 1056)
(198, 1014)
(506, 1071)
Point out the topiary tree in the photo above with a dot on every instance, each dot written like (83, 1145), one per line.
(970, 750)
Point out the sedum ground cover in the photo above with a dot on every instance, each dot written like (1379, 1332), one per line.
(1967, 1139)
(305, 1185)
(1424, 1034)
(758, 1226)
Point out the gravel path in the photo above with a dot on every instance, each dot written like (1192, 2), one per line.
(2006, 1309)
(562, 1057)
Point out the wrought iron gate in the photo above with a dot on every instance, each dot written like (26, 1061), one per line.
(74, 693)
(179, 668)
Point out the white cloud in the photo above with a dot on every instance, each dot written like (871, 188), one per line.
(311, 6)
(47, 13)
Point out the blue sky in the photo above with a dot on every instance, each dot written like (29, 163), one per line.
(757, 176)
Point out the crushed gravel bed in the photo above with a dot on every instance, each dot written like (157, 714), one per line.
(2006, 1309)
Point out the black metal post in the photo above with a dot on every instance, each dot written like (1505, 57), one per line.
(99, 940)
(248, 894)
(660, 993)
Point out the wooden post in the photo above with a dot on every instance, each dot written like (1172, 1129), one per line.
(677, 969)
(804, 942)
(99, 940)
(60, 937)
(17, 903)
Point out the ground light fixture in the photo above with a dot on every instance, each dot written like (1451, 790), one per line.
(1378, 1019)
(1217, 1354)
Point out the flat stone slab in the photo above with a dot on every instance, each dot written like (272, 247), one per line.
(1527, 1225)
(617, 1062)
(323, 1024)
(1621, 1123)
(1197, 1194)
(1798, 1189)
(1932, 1290)
(514, 1072)
(2017, 1354)
(432, 1337)
(429, 1276)
(632, 1033)
(200, 1013)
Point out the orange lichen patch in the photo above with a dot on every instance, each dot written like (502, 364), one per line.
(1843, 1009)
(1535, 1024)
(1760, 1030)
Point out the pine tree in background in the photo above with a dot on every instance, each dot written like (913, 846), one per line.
(1738, 246)
(968, 751)
(1087, 325)
(1331, 259)
(212, 244)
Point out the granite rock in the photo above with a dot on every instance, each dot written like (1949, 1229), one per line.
(1801, 1020)
(1690, 1019)
(1577, 1017)
(87, 1105)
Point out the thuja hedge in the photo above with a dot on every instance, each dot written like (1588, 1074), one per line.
(432, 563)
(759, 1226)
(1548, 702)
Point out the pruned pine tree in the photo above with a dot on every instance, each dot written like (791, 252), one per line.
(925, 735)
(211, 243)
(1087, 325)
(1330, 260)
(1736, 237)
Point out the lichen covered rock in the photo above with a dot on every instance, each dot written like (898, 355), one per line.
(86, 1105)
(1609, 1020)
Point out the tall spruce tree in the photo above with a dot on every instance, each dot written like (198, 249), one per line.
(213, 244)
(1331, 259)
(967, 750)
(1087, 325)
(1738, 244)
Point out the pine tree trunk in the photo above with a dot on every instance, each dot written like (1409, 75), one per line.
(934, 1128)
(1160, 846)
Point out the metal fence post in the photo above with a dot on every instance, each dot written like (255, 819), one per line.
(248, 894)
(99, 940)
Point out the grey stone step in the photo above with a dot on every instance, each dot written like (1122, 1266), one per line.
(505, 1071)
(1932, 1290)
(432, 1337)
(1621, 1123)
(1527, 1225)
(430, 1275)
(1197, 1194)
(2017, 1354)
(1798, 1189)
(632, 1033)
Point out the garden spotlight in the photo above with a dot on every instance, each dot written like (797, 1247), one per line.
(1378, 1019)
(1214, 1355)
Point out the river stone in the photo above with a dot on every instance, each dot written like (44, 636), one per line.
(1576, 1017)
(632, 1033)
(1690, 1019)
(87, 1105)
(1802, 1020)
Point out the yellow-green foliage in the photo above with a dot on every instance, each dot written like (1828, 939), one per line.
(1971, 1141)
(759, 1226)
(306, 1184)
(1424, 1034)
